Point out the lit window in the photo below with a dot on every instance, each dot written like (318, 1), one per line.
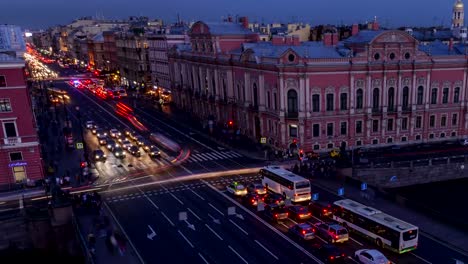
(5, 105)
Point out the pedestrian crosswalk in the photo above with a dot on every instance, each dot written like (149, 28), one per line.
(115, 167)
(214, 155)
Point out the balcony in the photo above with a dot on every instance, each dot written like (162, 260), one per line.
(253, 107)
(12, 141)
(292, 114)
(377, 111)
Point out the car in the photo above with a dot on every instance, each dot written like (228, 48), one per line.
(303, 231)
(100, 132)
(111, 144)
(114, 133)
(102, 140)
(274, 198)
(464, 142)
(146, 145)
(132, 135)
(257, 188)
(154, 151)
(128, 131)
(299, 212)
(321, 209)
(123, 93)
(135, 151)
(118, 152)
(98, 155)
(90, 124)
(94, 129)
(120, 139)
(139, 140)
(126, 144)
(237, 189)
(252, 199)
(332, 232)
(370, 256)
(330, 253)
(334, 153)
(276, 212)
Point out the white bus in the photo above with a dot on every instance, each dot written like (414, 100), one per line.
(284, 182)
(383, 229)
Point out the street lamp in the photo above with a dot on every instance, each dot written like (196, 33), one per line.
(85, 147)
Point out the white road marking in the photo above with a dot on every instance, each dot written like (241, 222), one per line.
(201, 256)
(196, 216)
(353, 260)
(235, 252)
(266, 249)
(217, 210)
(186, 239)
(240, 228)
(21, 205)
(428, 262)
(357, 242)
(216, 234)
(199, 196)
(167, 218)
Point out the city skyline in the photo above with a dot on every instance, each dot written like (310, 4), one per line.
(41, 15)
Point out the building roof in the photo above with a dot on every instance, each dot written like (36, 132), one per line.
(305, 49)
(227, 28)
(11, 38)
(9, 58)
(363, 37)
(98, 38)
(430, 35)
(438, 48)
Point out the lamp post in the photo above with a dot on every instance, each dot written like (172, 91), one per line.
(85, 147)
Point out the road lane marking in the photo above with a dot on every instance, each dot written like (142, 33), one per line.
(21, 204)
(217, 210)
(167, 218)
(175, 197)
(186, 239)
(196, 216)
(216, 234)
(235, 252)
(199, 196)
(357, 242)
(428, 262)
(124, 233)
(234, 223)
(266, 249)
(201, 256)
(353, 260)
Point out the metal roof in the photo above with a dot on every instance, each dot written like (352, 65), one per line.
(363, 37)
(227, 28)
(439, 48)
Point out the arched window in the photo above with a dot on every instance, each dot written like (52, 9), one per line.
(292, 101)
(238, 92)
(405, 98)
(213, 88)
(434, 96)
(359, 99)
(255, 95)
(376, 99)
(391, 99)
(343, 101)
(456, 95)
(316, 103)
(224, 90)
(445, 95)
(420, 97)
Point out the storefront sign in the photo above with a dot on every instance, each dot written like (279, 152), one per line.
(17, 164)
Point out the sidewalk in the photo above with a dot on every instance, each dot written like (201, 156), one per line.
(427, 225)
(104, 251)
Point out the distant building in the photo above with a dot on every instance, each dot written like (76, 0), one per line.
(11, 39)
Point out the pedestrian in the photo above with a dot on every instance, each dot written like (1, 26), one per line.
(121, 243)
(109, 241)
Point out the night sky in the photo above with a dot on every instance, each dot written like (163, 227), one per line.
(36, 14)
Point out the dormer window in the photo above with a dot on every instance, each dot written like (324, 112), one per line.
(376, 56)
(291, 57)
(392, 56)
(407, 55)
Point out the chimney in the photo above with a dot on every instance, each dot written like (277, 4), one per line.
(355, 29)
(245, 22)
(229, 18)
(375, 24)
(327, 39)
(278, 40)
(450, 47)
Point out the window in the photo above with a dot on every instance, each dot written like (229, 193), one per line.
(291, 57)
(10, 129)
(255, 94)
(404, 139)
(431, 136)
(316, 103)
(359, 99)
(418, 137)
(275, 101)
(375, 141)
(19, 172)
(376, 56)
(420, 97)
(456, 95)
(390, 125)
(375, 99)
(330, 145)
(14, 156)
(268, 100)
(443, 121)
(405, 98)
(391, 99)
(442, 135)
(407, 55)
(389, 140)
(375, 125)
(358, 143)
(316, 147)
(434, 96)
(292, 101)
(344, 101)
(316, 130)
(358, 127)
(5, 105)
(2, 81)
(454, 119)
(432, 121)
(418, 121)
(330, 105)
(392, 56)
(292, 130)
(343, 128)
(453, 134)
(445, 94)
(404, 123)
(330, 129)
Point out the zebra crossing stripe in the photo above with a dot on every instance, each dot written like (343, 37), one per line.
(235, 154)
(223, 154)
(212, 156)
(219, 155)
(194, 159)
(199, 156)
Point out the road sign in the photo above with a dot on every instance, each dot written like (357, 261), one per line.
(182, 216)
(363, 186)
(231, 210)
(263, 140)
(341, 191)
(79, 145)
(315, 196)
(260, 206)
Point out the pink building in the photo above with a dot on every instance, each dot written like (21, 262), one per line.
(375, 88)
(20, 158)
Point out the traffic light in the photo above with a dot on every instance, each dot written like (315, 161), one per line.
(83, 164)
(230, 123)
(301, 154)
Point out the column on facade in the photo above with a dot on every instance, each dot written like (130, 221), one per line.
(384, 103)
(302, 109)
(368, 105)
(261, 92)
(217, 88)
(352, 94)
(247, 89)
(308, 97)
(230, 85)
(463, 104)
